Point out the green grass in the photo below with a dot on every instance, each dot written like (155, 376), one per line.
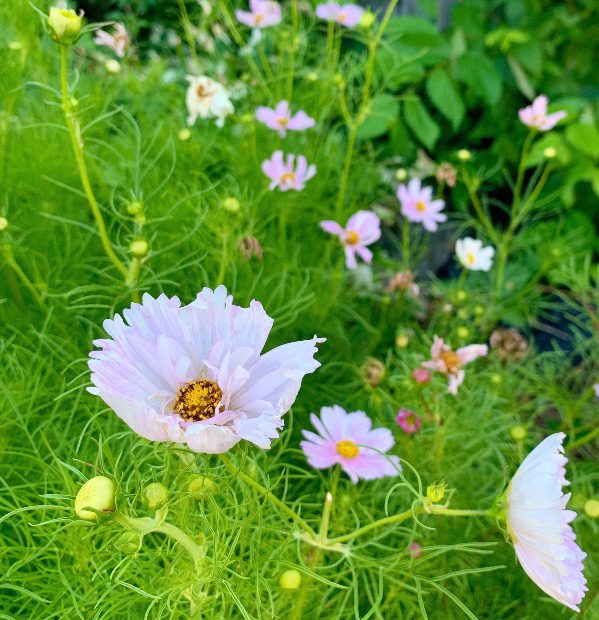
(54, 435)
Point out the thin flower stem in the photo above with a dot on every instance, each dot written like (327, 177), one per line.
(294, 31)
(522, 169)
(187, 28)
(478, 207)
(228, 463)
(16, 269)
(224, 259)
(405, 243)
(78, 151)
(391, 520)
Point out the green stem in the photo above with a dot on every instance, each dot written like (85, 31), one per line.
(522, 169)
(478, 207)
(78, 151)
(293, 43)
(224, 259)
(391, 520)
(405, 243)
(228, 463)
(133, 275)
(187, 28)
(16, 269)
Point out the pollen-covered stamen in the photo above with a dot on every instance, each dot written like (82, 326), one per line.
(420, 206)
(352, 237)
(283, 121)
(198, 400)
(288, 177)
(347, 448)
(452, 361)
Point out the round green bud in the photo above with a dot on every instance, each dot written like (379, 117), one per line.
(367, 20)
(184, 134)
(496, 378)
(462, 314)
(139, 248)
(463, 332)
(464, 155)
(129, 542)
(591, 508)
(338, 79)
(201, 486)
(154, 495)
(247, 118)
(64, 24)
(290, 580)
(231, 204)
(549, 153)
(135, 207)
(436, 492)
(401, 174)
(479, 310)
(518, 433)
(113, 66)
(3, 223)
(98, 494)
(461, 295)
(15, 46)
(402, 341)
(312, 76)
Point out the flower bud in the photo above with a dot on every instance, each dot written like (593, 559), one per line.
(549, 153)
(231, 204)
(436, 492)
(402, 341)
(129, 542)
(200, 487)
(415, 550)
(462, 314)
(367, 19)
(421, 375)
(154, 495)
(65, 25)
(290, 580)
(339, 80)
(247, 118)
(135, 208)
(463, 332)
(15, 46)
(112, 66)
(461, 295)
(3, 223)
(518, 433)
(464, 155)
(372, 371)
(184, 134)
(139, 248)
(96, 494)
(591, 508)
(479, 310)
(312, 76)
(496, 378)
(401, 174)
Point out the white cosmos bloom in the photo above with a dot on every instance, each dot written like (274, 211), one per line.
(472, 255)
(539, 524)
(196, 374)
(207, 98)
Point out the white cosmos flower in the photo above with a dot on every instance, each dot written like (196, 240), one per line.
(472, 255)
(207, 98)
(539, 524)
(196, 374)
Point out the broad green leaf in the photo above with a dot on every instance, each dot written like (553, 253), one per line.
(479, 73)
(526, 88)
(585, 138)
(444, 96)
(421, 122)
(382, 114)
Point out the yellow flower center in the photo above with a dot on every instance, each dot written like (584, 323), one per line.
(342, 17)
(258, 18)
(452, 361)
(198, 400)
(347, 449)
(470, 258)
(352, 237)
(288, 176)
(282, 121)
(420, 206)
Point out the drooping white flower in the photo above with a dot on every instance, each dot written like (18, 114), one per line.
(539, 524)
(196, 374)
(472, 255)
(207, 98)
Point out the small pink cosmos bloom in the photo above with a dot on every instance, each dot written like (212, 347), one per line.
(421, 375)
(280, 118)
(417, 205)
(535, 115)
(197, 374)
(539, 524)
(408, 421)
(117, 42)
(348, 439)
(348, 15)
(284, 174)
(415, 550)
(450, 362)
(262, 14)
(362, 229)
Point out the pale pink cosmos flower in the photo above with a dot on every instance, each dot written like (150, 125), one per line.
(118, 42)
(286, 174)
(539, 524)
(535, 115)
(408, 421)
(281, 120)
(196, 374)
(348, 15)
(449, 362)
(349, 440)
(362, 229)
(262, 14)
(417, 205)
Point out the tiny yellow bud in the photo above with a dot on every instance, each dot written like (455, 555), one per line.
(436, 492)
(201, 486)
(461, 295)
(479, 310)
(518, 433)
(129, 542)
(247, 118)
(401, 174)
(312, 76)
(338, 79)
(139, 248)
(97, 493)
(135, 208)
(154, 495)
(549, 152)
(591, 508)
(462, 314)
(463, 332)
(3, 223)
(367, 19)
(15, 46)
(496, 379)
(402, 341)
(65, 25)
(184, 134)
(291, 579)
(464, 155)
(231, 204)
(112, 66)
